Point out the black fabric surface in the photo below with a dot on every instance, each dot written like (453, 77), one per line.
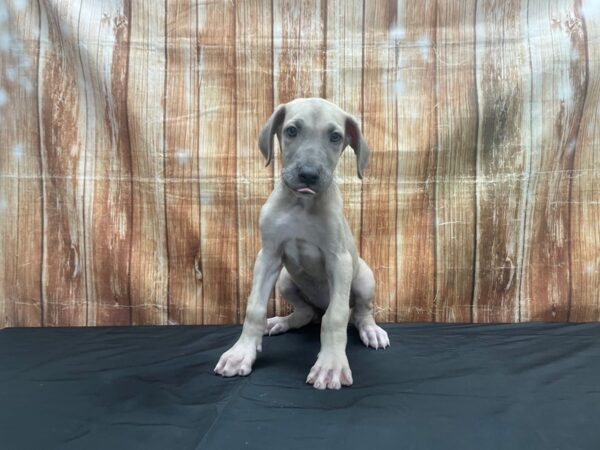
(525, 386)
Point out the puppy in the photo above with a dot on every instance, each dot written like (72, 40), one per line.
(308, 246)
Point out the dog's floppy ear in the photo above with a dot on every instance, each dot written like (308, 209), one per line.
(357, 142)
(273, 126)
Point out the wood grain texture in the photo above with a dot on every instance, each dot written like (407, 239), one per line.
(182, 162)
(585, 189)
(379, 232)
(415, 88)
(298, 49)
(131, 181)
(146, 115)
(298, 65)
(558, 90)
(8, 194)
(457, 120)
(503, 90)
(103, 49)
(218, 190)
(254, 102)
(62, 110)
(343, 86)
(20, 186)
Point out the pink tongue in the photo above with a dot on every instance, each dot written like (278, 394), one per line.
(306, 190)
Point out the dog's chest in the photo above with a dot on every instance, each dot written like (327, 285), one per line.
(303, 259)
(301, 236)
(294, 224)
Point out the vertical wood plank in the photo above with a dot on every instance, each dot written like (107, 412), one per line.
(298, 49)
(415, 88)
(382, 33)
(456, 161)
(103, 50)
(298, 63)
(9, 193)
(343, 84)
(181, 164)
(20, 186)
(503, 88)
(254, 87)
(558, 91)
(217, 125)
(585, 191)
(145, 101)
(62, 121)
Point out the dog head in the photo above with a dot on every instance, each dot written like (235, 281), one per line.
(312, 134)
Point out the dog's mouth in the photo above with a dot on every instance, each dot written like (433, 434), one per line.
(306, 190)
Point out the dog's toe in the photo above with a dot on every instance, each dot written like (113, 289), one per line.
(276, 325)
(237, 361)
(374, 336)
(330, 372)
(383, 339)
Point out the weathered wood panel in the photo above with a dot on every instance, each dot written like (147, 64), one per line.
(182, 161)
(254, 102)
(585, 189)
(20, 180)
(503, 91)
(379, 238)
(146, 116)
(8, 191)
(62, 110)
(558, 91)
(417, 135)
(217, 129)
(103, 50)
(457, 119)
(131, 181)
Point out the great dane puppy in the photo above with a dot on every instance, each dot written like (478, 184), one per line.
(307, 243)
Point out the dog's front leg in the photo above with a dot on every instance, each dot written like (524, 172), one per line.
(238, 360)
(332, 370)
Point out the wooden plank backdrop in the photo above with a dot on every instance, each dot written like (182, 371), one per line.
(131, 181)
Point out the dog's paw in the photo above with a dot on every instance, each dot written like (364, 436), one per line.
(237, 360)
(374, 336)
(331, 371)
(276, 325)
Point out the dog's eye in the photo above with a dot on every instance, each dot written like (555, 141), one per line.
(335, 137)
(291, 131)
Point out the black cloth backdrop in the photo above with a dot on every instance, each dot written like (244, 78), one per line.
(522, 386)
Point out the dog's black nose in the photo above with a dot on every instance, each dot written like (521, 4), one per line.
(308, 175)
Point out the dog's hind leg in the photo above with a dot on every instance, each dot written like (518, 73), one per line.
(303, 312)
(363, 291)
